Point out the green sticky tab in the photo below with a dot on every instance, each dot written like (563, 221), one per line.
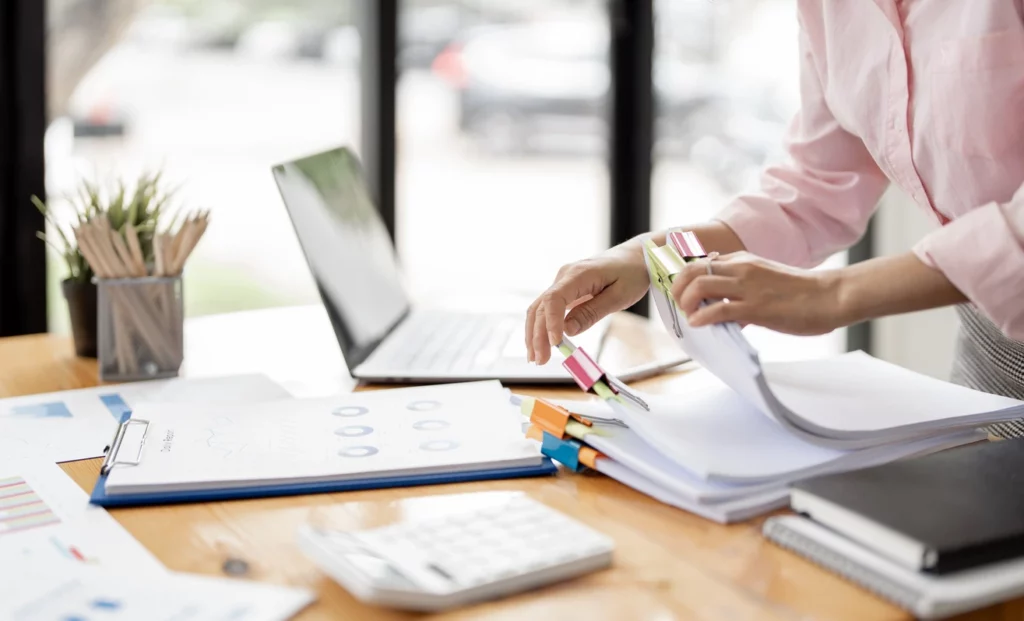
(526, 406)
(603, 390)
(669, 259)
(662, 264)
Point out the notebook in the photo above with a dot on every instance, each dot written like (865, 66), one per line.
(847, 402)
(926, 596)
(431, 434)
(942, 513)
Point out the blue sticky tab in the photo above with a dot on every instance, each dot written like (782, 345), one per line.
(565, 452)
(117, 406)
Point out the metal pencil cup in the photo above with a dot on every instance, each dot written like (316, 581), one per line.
(140, 333)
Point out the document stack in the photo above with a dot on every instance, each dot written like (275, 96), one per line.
(734, 437)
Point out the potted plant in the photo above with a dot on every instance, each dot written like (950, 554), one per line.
(141, 207)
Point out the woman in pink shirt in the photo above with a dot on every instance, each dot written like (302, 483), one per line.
(924, 94)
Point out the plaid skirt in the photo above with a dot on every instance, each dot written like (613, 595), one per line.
(989, 361)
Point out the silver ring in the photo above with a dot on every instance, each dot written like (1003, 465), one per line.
(711, 257)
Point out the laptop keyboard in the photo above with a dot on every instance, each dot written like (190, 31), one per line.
(452, 342)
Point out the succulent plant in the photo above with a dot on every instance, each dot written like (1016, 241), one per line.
(142, 206)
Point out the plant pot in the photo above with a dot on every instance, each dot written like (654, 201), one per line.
(81, 297)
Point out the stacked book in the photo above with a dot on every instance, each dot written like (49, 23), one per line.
(738, 433)
(939, 536)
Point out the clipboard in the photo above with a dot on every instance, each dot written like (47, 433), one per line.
(132, 456)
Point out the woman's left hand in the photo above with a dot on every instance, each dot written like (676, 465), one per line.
(750, 290)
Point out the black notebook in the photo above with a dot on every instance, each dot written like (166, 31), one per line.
(949, 511)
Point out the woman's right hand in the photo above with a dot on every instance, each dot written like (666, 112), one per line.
(590, 289)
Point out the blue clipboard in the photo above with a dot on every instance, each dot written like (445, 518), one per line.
(100, 496)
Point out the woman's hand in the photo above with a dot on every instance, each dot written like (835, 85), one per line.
(612, 281)
(750, 290)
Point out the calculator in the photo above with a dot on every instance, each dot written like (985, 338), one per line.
(458, 558)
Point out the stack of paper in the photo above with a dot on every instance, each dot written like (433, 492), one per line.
(707, 450)
(737, 433)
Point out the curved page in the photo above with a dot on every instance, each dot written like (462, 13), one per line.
(848, 402)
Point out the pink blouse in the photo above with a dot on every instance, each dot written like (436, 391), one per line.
(926, 94)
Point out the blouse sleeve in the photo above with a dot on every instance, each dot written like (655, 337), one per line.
(982, 254)
(820, 199)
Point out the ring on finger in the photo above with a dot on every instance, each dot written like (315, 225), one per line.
(707, 265)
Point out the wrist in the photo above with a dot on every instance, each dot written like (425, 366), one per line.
(845, 307)
(631, 248)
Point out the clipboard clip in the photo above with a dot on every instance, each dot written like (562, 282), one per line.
(113, 457)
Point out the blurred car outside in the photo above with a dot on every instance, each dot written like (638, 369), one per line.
(521, 84)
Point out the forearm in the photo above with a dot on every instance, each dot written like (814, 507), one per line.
(715, 236)
(891, 286)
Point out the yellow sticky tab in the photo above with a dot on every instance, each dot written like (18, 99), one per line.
(526, 406)
(580, 431)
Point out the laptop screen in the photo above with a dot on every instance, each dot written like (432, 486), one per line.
(347, 247)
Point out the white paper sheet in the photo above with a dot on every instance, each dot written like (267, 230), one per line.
(46, 519)
(857, 394)
(442, 428)
(77, 424)
(66, 593)
(707, 429)
(720, 348)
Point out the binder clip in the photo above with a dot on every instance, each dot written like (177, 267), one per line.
(592, 378)
(114, 457)
(568, 451)
(585, 371)
(549, 417)
(687, 245)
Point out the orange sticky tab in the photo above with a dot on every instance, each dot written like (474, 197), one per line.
(588, 457)
(533, 432)
(552, 418)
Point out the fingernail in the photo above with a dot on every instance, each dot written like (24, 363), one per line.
(572, 326)
(555, 338)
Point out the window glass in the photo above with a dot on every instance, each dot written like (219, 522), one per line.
(212, 93)
(502, 121)
(727, 85)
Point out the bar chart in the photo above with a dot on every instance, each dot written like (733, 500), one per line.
(21, 508)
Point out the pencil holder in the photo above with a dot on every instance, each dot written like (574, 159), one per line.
(140, 332)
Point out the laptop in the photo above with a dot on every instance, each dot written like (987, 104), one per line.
(384, 337)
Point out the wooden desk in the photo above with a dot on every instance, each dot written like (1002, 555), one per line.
(668, 563)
